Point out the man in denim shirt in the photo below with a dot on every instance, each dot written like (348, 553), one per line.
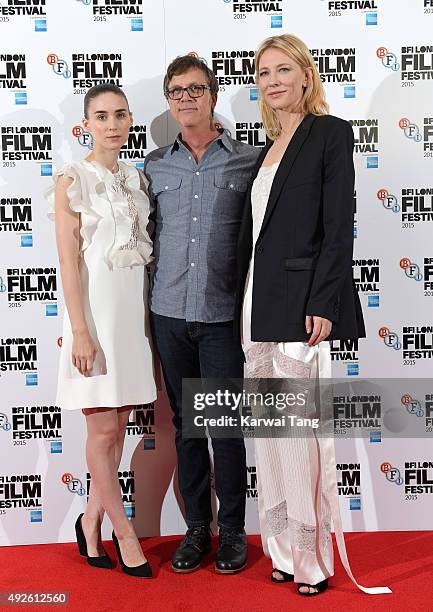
(198, 185)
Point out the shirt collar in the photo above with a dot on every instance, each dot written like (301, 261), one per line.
(224, 138)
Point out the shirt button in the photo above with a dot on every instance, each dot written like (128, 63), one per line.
(166, 187)
(197, 173)
(189, 157)
(192, 264)
(194, 218)
(196, 196)
(231, 185)
(192, 239)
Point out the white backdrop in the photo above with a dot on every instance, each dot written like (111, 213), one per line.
(376, 60)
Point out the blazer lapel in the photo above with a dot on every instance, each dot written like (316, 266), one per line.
(285, 166)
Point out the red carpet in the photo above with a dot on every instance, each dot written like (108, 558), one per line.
(401, 560)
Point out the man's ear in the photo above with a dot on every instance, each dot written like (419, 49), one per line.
(214, 98)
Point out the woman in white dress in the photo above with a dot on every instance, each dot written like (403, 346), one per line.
(295, 278)
(101, 211)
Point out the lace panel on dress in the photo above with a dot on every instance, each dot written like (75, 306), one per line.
(267, 360)
(276, 519)
(119, 186)
(259, 360)
(302, 536)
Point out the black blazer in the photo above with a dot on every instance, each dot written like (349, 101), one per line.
(303, 254)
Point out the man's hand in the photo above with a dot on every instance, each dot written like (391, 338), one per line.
(318, 327)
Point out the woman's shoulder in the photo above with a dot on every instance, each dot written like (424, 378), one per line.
(73, 169)
(78, 178)
(68, 180)
(331, 121)
(88, 174)
(332, 124)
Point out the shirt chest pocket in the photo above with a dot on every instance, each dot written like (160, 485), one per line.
(230, 195)
(167, 195)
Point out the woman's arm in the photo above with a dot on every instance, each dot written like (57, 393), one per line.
(68, 247)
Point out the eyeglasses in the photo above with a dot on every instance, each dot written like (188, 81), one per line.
(194, 91)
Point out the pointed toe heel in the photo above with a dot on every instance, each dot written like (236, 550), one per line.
(104, 561)
(140, 571)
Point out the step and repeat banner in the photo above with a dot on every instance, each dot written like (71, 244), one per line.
(375, 58)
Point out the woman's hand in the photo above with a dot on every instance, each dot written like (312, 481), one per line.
(83, 352)
(318, 327)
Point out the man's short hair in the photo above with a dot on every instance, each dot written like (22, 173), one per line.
(183, 63)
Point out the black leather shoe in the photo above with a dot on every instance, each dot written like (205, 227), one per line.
(104, 562)
(195, 544)
(232, 551)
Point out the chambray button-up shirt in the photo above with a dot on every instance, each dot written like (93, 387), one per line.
(198, 213)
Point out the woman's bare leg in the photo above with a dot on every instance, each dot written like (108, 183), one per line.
(105, 429)
(94, 514)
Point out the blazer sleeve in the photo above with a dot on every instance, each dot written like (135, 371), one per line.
(335, 258)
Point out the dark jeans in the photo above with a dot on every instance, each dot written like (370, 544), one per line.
(203, 350)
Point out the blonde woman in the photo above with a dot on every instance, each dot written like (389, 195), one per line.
(295, 292)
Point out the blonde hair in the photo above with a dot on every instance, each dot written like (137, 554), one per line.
(313, 101)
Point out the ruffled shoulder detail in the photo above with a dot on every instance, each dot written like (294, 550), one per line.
(73, 191)
(79, 201)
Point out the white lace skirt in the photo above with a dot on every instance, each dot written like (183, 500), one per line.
(294, 512)
(296, 477)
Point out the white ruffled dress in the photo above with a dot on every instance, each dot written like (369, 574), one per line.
(115, 248)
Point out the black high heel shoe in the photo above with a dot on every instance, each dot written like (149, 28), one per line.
(141, 571)
(103, 562)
